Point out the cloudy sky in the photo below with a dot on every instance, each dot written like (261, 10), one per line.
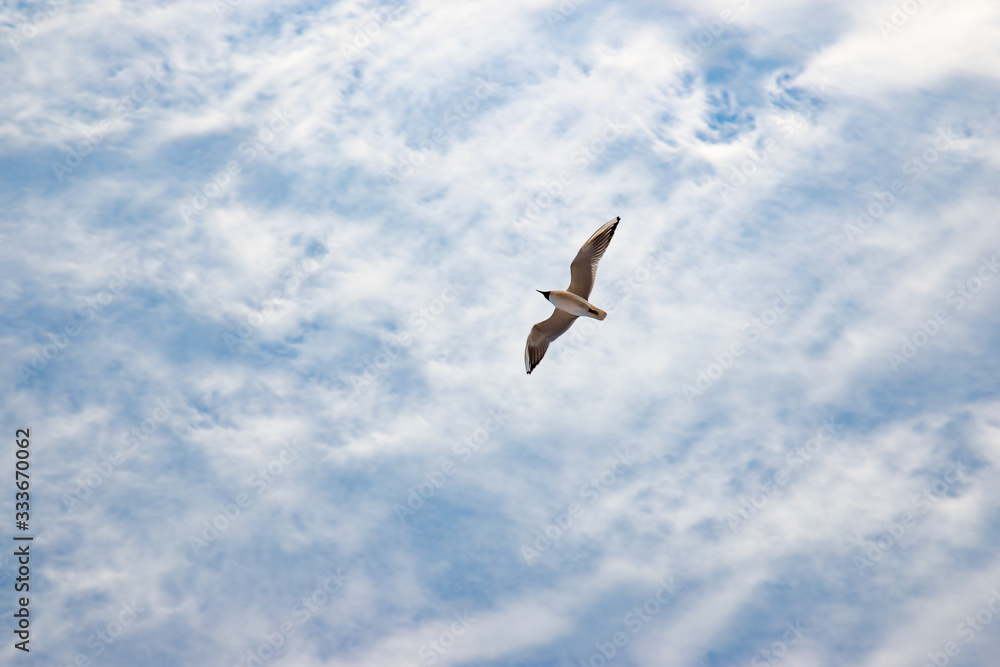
(267, 274)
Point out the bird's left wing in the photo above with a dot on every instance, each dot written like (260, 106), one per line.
(544, 333)
(583, 270)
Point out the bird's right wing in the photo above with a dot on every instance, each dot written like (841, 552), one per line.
(544, 333)
(583, 270)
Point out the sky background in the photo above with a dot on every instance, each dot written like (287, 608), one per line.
(267, 274)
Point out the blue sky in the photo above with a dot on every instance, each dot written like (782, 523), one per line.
(268, 272)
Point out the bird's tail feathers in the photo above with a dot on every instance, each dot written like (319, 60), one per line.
(596, 313)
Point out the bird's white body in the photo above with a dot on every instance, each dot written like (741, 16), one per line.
(575, 305)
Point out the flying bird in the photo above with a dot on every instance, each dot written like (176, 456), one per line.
(571, 303)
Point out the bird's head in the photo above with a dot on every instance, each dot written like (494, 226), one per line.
(545, 294)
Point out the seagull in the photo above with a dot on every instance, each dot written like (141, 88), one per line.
(571, 303)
